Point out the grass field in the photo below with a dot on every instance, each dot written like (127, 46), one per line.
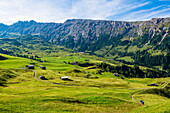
(14, 62)
(126, 58)
(102, 93)
(133, 49)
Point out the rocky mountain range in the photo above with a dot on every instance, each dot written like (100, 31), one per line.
(112, 39)
(89, 30)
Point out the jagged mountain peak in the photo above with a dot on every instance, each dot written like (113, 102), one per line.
(160, 20)
(25, 22)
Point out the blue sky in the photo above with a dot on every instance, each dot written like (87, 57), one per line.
(60, 10)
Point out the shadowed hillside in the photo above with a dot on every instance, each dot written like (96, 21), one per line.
(2, 58)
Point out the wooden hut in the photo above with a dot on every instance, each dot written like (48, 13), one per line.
(116, 74)
(75, 62)
(153, 84)
(43, 67)
(64, 78)
(42, 78)
(30, 66)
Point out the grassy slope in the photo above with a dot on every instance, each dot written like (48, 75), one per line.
(106, 94)
(153, 104)
(126, 58)
(14, 62)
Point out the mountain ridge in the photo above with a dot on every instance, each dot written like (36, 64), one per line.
(140, 40)
(34, 27)
(25, 27)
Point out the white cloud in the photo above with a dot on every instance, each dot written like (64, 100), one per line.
(59, 10)
(147, 14)
(99, 9)
(103, 9)
(164, 0)
(139, 14)
(154, 13)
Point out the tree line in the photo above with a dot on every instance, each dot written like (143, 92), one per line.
(135, 71)
(7, 52)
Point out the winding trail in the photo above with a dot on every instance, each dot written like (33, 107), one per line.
(35, 75)
(144, 89)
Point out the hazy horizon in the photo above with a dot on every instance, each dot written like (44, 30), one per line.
(77, 19)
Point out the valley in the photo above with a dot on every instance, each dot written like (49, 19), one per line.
(142, 42)
(109, 66)
(87, 90)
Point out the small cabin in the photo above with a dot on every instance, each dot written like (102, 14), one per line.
(81, 52)
(153, 84)
(64, 62)
(43, 67)
(37, 56)
(42, 78)
(64, 78)
(30, 66)
(75, 62)
(116, 74)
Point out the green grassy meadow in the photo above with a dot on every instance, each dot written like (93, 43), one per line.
(126, 58)
(86, 91)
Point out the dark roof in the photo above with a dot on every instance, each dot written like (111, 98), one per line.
(42, 77)
(153, 84)
(43, 67)
(30, 66)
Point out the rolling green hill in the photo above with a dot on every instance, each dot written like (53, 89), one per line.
(87, 90)
(2, 58)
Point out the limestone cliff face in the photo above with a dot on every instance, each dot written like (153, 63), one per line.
(91, 31)
(73, 33)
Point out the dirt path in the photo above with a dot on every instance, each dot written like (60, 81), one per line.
(143, 89)
(166, 83)
(35, 75)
